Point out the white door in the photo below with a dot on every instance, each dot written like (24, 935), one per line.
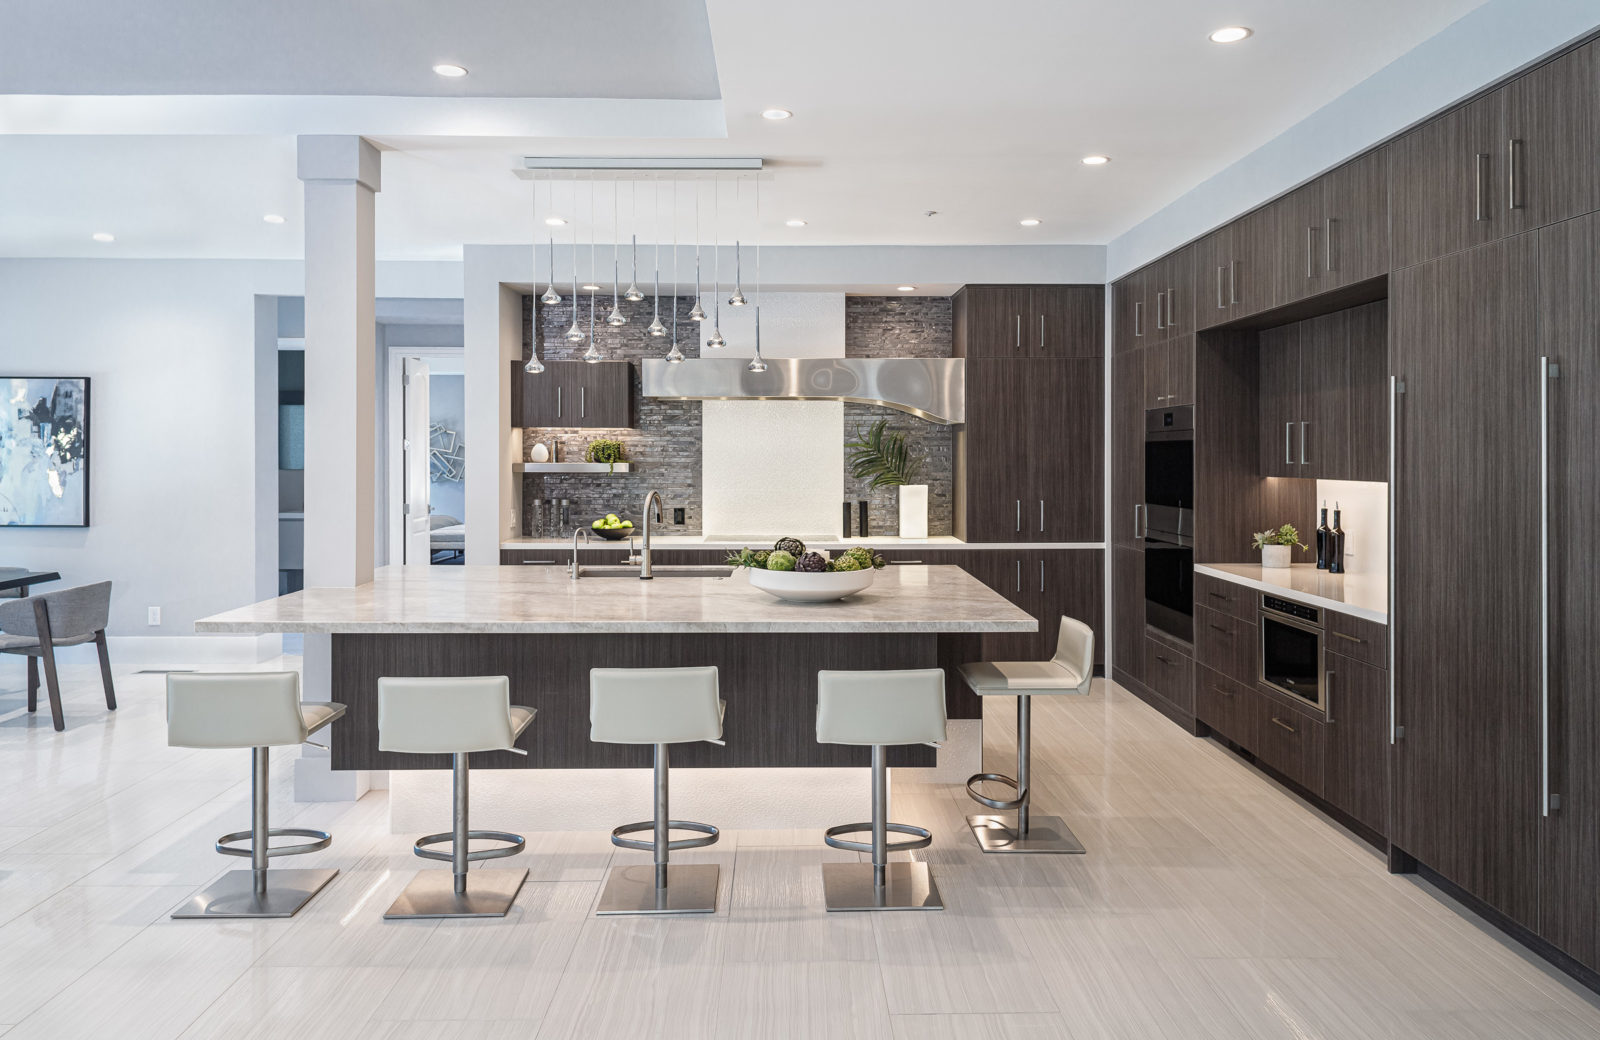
(415, 447)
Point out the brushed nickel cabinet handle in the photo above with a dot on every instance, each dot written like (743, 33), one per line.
(1353, 639)
(1548, 370)
(1303, 426)
(1019, 516)
(1288, 444)
(1279, 722)
(1163, 660)
(1041, 517)
(1172, 320)
(1138, 315)
(1327, 244)
(1041, 331)
(1161, 311)
(1219, 595)
(1233, 282)
(1222, 690)
(1327, 694)
(1137, 509)
(1225, 631)
(558, 402)
(1513, 155)
(1220, 305)
(1019, 576)
(1479, 161)
(583, 402)
(1041, 575)
(1311, 252)
(1019, 332)
(1397, 387)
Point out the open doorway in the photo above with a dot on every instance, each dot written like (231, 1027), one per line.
(421, 434)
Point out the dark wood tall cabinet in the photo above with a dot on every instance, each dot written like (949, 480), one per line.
(1463, 331)
(1552, 133)
(1445, 187)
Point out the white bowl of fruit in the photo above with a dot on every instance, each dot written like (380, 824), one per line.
(790, 573)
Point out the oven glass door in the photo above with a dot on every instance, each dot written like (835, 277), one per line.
(1169, 588)
(1291, 658)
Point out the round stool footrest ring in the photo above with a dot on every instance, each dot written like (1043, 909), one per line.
(996, 803)
(515, 844)
(712, 835)
(320, 840)
(921, 840)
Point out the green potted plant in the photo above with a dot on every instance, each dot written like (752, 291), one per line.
(880, 456)
(607, 451)
(1276, 545)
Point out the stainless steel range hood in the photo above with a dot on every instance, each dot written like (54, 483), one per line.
(930, 388)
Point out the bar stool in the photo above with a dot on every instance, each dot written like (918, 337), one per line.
(659, 706)
(454, 716)
(880, 708)
(1069, 672)
(259, 711)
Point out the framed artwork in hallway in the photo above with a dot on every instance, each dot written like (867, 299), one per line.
(44, 451)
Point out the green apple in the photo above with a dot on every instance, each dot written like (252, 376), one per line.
(626, 523)
(598, 524)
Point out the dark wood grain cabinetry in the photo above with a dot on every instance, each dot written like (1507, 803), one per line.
(573, 394)
(1169, 373)
(1552, 130)
(1291, 743)
(1169, 673)
(1321, 403)
(1356, 763)
(1229, 708)
(1444, 185)
(1226, 644)
(1127, 613)
(1127, 448)
(1355, 222)
(1037, 321)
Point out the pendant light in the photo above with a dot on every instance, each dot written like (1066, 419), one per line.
(575, 334)
(656, 328)
(698, 313)
(757, 363)
(716, 341)
(675, 356)
(616, 318)
(592, 355)
(737, 299)
(633, 295)
(533, 366)
(550, 297)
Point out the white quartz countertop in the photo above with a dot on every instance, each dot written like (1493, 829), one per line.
(696, 541)
(544, 600)
(1359, 595)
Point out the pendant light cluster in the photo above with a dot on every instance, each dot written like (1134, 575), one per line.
(657, 328)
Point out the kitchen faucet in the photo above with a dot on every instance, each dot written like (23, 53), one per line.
(576, 531)
(644, 553)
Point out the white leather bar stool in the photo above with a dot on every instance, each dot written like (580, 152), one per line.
(880, 708)
(259, 711)
(659, 706)
(1069, 672)
(454, 716)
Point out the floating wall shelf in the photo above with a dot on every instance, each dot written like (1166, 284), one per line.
(571, 467)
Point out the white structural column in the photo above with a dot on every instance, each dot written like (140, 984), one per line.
(492, 335)
(341, 177)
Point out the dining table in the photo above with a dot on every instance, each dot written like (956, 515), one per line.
(20, 579)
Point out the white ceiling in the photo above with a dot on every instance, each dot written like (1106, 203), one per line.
(978, 112)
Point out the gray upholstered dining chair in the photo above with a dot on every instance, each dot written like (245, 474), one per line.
(35, 626)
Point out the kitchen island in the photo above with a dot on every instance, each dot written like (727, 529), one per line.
(545, 631)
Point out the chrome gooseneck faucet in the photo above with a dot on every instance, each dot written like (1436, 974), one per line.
(644, 553)
(576, 570)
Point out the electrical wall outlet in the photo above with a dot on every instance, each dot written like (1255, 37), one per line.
(155, 616)
(677, 516)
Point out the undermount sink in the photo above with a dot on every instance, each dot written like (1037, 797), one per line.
(658, 571)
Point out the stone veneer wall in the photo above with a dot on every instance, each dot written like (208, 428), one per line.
(665, 445)
(901, 326)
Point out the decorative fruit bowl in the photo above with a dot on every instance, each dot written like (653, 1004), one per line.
(790, 573)
(612, 528)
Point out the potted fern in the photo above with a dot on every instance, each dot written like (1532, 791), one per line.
(880, 456)
(1276, 545)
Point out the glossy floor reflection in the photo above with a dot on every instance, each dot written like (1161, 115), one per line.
(1210, 904)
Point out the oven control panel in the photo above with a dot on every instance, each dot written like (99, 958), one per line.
(1292, 609)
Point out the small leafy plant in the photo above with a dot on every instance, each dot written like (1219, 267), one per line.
(880, 456)
(607, 451)
(1285, 535)
(855, 558)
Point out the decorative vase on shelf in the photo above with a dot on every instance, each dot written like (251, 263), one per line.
(913, 510)
(539, 453)
(1275, 555)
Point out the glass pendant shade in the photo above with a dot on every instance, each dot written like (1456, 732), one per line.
(634, 295)
(534, 366)
(716, 339)
(591, 355)
(675, 355)
(551, 297)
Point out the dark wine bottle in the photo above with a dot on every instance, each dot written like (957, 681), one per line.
(861, 518)
(847, 519)
(1322, 539)
(1336, 545)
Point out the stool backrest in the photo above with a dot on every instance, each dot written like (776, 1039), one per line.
(880, 707)
(234, 709)
(1075, 650)
(80, 611)
(445, 715)
(654, 705)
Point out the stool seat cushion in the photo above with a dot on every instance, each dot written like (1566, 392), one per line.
(317, 714)
(448, 715)
(1004, 678)
(236, 709)
(654, 705)
(881, 707)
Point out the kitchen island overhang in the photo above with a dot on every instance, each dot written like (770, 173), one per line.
(545, 632)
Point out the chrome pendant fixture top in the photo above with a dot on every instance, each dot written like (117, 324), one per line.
(757, 364)
(634, 295)
(551, 297)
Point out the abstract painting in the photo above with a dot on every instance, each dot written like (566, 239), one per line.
(44, 452)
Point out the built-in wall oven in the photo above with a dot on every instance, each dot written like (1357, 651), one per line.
(1168, 521)
(1291, 650)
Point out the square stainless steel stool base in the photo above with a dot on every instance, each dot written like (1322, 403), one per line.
(432, 893)
(907, 886)
(234, 895)
(1046, 834)
(691, 889)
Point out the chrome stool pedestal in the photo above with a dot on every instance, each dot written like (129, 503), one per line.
(662, 888)
(434, 893)
(260, 892)
(879, 885)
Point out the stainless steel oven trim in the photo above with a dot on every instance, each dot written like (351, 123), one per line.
(1266, 615)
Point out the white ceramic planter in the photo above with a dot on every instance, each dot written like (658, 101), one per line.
(913, 510)
(811, 586)
(1275, 555)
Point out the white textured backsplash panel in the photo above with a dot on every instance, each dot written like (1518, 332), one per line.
(1364, 515)
(773, 467)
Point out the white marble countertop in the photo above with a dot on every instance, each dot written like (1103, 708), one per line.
(696, 541)
(1359, 595)
(544, 600)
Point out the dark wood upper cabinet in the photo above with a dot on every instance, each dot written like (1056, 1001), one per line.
(573, 394)
(1445, 183)
(605, 394)
(1066, 321)
(994, 467)
(1355, 221)
(992, 320)
(1301, 268)
(1169, 374)
(1127, 313)
(1366, 386)
(1255, 274)
(1213, 256)
(1064, 421)
(1552, 133)
(1279, 403)
(1321, 405)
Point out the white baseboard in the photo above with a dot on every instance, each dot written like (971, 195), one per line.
(177, 651)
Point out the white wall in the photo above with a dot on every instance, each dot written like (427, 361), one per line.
(171, 348)
(1490, 42)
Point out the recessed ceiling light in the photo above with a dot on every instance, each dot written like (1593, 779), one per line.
(591, 288)
(272, 218)
(450, 71)
(1095, 160)
(795, 223)
(907, 288)
(1230, 34)
(103, 236)
(554, 221)
(776, 113)
(1029, 221)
